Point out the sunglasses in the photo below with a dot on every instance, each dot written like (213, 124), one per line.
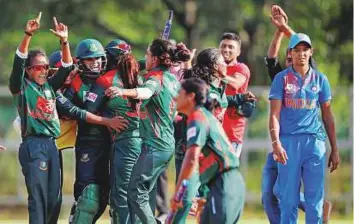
(39, 67)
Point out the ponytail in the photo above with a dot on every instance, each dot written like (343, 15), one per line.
(128, 67)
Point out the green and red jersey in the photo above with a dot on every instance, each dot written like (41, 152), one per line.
(78, 93)
(217, 155)
(180, 124)
(159, 110)
(218, 93)
(117, 106)
(36, 104)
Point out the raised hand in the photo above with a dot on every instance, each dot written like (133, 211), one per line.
(279, 21)
(60, 31)
(277, 10)
(33, 24)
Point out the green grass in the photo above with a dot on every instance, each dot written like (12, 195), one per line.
(253, 221)
(19, 215)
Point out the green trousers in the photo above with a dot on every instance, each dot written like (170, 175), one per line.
(125, 152)
(193, 185)
(225, 200)
(147, 169)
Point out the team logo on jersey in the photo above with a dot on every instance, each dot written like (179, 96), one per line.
(91, 96)
(192, 132)
(314, 88)
(44, 109)
(43, 165)
(46, 106)
(290, 88)
(84, 158)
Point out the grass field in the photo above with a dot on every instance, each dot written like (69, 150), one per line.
(250, 216)
(248, 221)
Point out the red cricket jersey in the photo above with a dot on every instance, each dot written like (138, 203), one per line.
(234, 125)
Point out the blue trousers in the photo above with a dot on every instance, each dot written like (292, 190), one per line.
(306, 162)
(269, 200)
(40, 165)
(92, 167)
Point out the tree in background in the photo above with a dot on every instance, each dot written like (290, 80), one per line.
(198, 23)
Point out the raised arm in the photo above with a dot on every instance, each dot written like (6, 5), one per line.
(18, 69)
(271, 60)
(280, 20)
(61, 31)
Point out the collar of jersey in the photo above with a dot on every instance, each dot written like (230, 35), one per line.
(299, 75)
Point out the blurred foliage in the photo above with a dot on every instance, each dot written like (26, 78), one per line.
(196, 22)
(328, 23)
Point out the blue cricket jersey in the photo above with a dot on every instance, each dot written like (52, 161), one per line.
(301, 99)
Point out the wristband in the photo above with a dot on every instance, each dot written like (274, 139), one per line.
(63, 43)
(28, 33)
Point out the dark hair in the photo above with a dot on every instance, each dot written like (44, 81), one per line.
(211, 104)
(128, 67)
(32, 54)
(111, 61)
(198, 87)
(312, 61)
(205, 67)
(169, 53)
(231, 36)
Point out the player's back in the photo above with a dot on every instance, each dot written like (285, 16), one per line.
(217, 154)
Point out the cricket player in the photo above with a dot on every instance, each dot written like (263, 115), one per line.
(211, 68)
(298, 138)
(91, 188)
(209, 149)
(36, 103)
(270, 170)
(126, 147)
(158, 93)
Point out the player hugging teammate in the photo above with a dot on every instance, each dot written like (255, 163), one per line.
(127, 131)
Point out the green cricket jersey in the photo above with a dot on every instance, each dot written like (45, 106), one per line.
(78, 93)
(217, 155)
(36, 104)
(159, 111)
(218, 93)
(116, 106)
